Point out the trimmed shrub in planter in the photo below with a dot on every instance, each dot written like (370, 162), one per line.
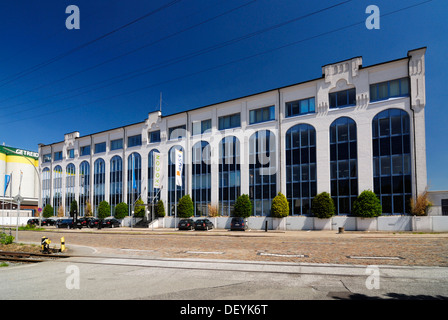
(103, 210)
(280, 206)
(185, 208)
(139, 211)
(323, 206)
(243, 207)
(367, 205)
(121, 210)
(48, 211)
(160, 209)
(73, 208)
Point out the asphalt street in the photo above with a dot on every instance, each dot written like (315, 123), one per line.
(138, 273)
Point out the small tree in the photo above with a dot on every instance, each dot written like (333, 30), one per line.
(420, 205)
(139, 211)
(160, 209)
(280, 206)
(367, 205)
(185, 207)
(121, 210)
(103, 210)
(213, 211)
(48, 211)
(89, 211)
(60, 211)
(323, 206)
(73, 208)
(243, 206)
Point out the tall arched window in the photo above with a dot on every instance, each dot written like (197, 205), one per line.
(46, 186)
(116, 182)
(262, 172)
(392, 179)
(201, 174)
(70, 174)
(173, 189)
(84, 187)
(229, 174)
(134, 178)
(343, 164)
(153, 194)
(57, 189)
(301, 185)
(99, 183)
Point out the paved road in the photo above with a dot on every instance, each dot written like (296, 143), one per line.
(310, 247)
(197, 266)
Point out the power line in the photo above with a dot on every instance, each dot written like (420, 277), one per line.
(166, 63)
(63, 55)
(217, 66)
(138, 49)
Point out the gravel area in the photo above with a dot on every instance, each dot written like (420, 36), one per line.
(361, 248)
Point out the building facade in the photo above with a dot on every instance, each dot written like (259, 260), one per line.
(352, 129)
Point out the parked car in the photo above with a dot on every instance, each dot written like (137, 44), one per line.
(94, 223)
(48, 222)
(186, 224)
(238, 223)
(85, 221)
(203, 224)
(68, 223)
(33, 221)
(110, 223)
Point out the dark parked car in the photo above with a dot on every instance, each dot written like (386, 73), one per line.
(186, 224)
(94, 223)
(67, 223)
(203, 224)
(48, 222)
(85, 221)
(238, 224)
(33, 221)
(110, 223)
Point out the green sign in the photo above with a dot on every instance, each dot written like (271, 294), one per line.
(20, 152)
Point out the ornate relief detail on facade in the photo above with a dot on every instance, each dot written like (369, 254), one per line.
(69, 139)
(417, 77)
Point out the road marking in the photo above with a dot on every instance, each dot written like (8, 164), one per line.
(136, 250)
(282, 255)
(383, 258)
(205, 252)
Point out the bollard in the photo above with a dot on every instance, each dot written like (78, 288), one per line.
(266, 226)
(62, 244)
(45, 244)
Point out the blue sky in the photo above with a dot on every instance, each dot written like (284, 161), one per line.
(197, 52)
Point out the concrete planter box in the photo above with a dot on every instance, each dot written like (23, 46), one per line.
(366, 224)
(322, 224)
(299, 223)
(395, 223)
(440, 223)
(422, 224)
(348, 223)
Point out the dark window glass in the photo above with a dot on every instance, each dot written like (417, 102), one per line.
(301, 165)
(392, 160)
(341, 99)
(298, 107)
(135, 140)
(343, 164)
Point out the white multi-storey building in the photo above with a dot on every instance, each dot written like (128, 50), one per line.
(354, 128)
